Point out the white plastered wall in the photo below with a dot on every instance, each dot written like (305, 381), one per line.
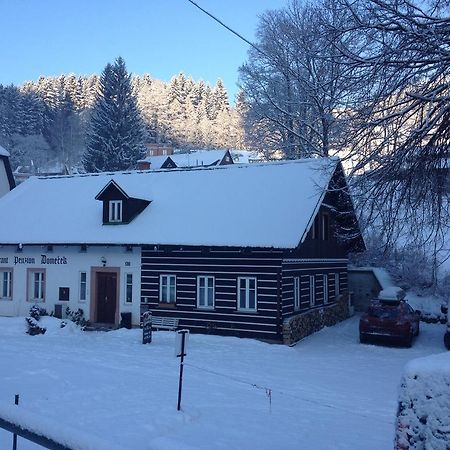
(65, 272)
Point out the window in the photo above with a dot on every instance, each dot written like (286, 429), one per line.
(129, 288)
(316, 228)
(6, 285)
(325, 288)
(115, 210)
(247, 293)
(296, 293)
(83, 286)
(167, 288)
(205, 292)
(325, 227)
(36, 285)
(337, 287)
(312, 291)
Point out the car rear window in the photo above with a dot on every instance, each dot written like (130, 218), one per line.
(383, 313)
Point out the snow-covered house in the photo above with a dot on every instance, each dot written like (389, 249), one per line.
(6, 176)
(198, 158)
(250, 250)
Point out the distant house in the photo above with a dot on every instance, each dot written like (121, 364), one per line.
(198, 158)
(256, 250)
(159, 149)
(22, 173)
(7, 182)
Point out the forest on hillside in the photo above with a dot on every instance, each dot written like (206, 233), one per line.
(46, 122)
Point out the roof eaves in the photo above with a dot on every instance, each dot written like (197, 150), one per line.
(319, 202)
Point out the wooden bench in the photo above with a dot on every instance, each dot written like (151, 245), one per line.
(164, 323)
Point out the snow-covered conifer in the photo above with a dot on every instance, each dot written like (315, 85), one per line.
(116, 134)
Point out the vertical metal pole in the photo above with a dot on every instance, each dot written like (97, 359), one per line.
(180, 383)
(16, 402)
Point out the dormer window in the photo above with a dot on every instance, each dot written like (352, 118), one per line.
(115, 211)
(118, 206)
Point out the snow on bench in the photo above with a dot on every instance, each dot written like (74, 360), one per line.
(164, 323)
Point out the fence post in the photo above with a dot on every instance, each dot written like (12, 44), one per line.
(16, 402)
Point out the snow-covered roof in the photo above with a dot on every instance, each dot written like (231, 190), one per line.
(155, 161)
(255, 205)
(3, 152)
(193, 159)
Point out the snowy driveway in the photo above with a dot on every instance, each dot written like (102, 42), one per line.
(328, 392)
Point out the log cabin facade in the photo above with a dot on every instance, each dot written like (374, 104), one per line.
(236, 258)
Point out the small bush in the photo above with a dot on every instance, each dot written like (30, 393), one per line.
(77, 317)
(33, 327)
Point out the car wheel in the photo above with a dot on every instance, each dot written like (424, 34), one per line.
(418, 330)
(362, 339)
(409, 339)
(447, 340)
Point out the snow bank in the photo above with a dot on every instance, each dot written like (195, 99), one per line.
(424, 404)
(429, 306)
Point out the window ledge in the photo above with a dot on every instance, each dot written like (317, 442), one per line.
(206, 308)
(247, 311)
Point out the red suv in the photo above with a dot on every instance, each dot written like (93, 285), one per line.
(391, 319)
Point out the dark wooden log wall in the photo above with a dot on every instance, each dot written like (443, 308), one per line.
(226, 266)
(302, 268)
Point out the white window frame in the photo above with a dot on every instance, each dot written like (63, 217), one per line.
(247, 294)
(115, 211)
(315, 234)
(167, 277)
(325, 288)
(128, 284)
(6, 275)
(206, 289)
(31, 283)
(80, 287)
(337, 284)
(312, 290)
(296, 293)
(325, 228)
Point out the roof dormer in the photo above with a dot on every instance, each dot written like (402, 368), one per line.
(118, 206)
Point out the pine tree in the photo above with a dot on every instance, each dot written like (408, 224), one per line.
(116, 136)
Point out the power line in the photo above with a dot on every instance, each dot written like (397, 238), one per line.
(229, 28)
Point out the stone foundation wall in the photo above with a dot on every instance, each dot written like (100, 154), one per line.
(303, 324)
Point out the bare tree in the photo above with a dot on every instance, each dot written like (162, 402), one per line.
(296, 84)
(400, 122)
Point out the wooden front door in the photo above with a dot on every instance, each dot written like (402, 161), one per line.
(106, 297)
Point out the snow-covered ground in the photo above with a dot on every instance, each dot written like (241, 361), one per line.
(327, 392)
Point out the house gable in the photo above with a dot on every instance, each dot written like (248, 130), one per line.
(168, 164)
(118, 206)
(333, 230)
(7, 182)
(227, 159)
